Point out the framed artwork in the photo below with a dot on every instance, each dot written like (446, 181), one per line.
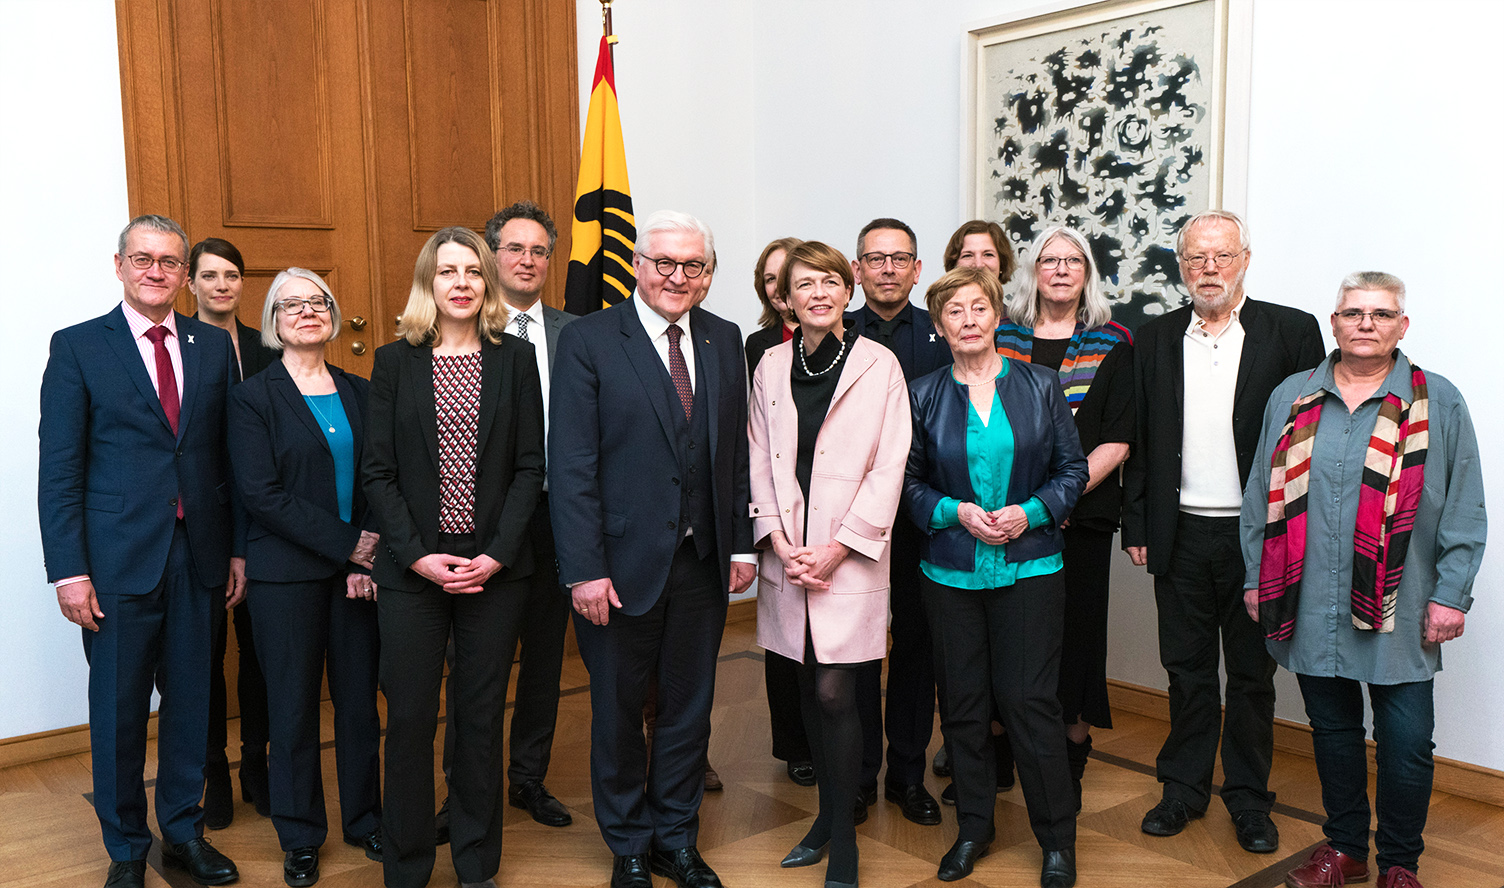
(1121, 119)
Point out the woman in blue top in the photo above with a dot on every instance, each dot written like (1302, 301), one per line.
(994, 468)
(296, 431)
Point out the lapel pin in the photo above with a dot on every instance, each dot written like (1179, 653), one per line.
(932, 337)
(190, 338)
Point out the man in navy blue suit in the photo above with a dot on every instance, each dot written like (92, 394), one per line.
(134, 499)
(887, 267)
(648, 477)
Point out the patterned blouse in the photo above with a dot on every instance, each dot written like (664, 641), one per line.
(456, 395)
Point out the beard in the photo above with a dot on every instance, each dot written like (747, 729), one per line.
(1232, 290)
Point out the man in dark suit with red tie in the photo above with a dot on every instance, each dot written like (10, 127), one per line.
(134, 499)
(648, 479)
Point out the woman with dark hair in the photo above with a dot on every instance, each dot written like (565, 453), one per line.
(993, 470)
(1059, 318)
(453, 467)
(981, 244)
(829, 434)
(216, 278)
(296, 433)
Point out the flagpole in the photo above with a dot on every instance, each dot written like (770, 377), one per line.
(606, 21)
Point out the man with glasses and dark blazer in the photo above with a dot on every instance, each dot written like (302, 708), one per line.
(1203, 374)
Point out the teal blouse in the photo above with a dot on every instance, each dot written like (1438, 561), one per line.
(330, 412)
(989, 459)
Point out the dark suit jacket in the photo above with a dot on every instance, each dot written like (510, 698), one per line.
(612, 463)
(554, 322)
(1278, 341)
(758, 342)
(111, 470)
(255, 355)
(284, 472)
(919, 348)
(400, 464)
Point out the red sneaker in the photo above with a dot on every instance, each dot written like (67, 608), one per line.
(1399, 877)
(1329, 868)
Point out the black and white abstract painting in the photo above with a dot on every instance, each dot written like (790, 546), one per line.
(1107, 128)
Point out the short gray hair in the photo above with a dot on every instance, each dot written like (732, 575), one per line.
(1372, 280)
(1212, 216)
(673, 220)
(269, 335)
(1023, 303)
(152, 222)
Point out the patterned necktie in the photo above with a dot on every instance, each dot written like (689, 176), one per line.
(522, 320)
(679, 370)
(167, 385)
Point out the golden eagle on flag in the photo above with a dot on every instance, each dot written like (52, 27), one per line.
(604, 231)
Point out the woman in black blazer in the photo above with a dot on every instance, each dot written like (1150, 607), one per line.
(453, 467)
(296, 431)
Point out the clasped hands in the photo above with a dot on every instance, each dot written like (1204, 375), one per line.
(995, 527)
(456, 575)
(809, 566)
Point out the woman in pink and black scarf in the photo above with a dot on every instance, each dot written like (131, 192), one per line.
(1363, 527)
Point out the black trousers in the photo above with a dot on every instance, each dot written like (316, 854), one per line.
(1200, 603)
(544, 620)
(785, 716)
(301, 627)
(1083, 659)
(642, 803)
(909, 718)
(1001, 647)
(415, 629)
(250, 690)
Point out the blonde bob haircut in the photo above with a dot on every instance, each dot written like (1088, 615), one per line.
(942, 291)
(269, 335)
(1023, 307)
(419, 324)
(820, 257)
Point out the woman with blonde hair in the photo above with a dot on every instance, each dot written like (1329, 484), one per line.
(453, 468)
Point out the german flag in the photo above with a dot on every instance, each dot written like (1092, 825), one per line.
(604, 231)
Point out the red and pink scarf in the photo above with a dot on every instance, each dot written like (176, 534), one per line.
(1393, 475)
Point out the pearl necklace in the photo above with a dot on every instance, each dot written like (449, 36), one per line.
(805, 364)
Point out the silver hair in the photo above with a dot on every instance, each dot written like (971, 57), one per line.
(1023, 301)
(269, 335)
(1212, 216)
(1372, 280)
(672, 220)
(152, 222)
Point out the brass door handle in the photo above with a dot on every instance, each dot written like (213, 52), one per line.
(357, 323)
(357, 348)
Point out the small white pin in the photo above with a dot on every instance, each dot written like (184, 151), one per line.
(932, 337)
(190, 338)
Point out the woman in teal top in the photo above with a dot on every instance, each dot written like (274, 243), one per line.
(994, 468)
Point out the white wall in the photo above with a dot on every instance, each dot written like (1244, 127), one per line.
(1369, 125)
(63, 193)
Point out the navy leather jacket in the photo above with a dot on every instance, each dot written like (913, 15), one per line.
(1047, 460)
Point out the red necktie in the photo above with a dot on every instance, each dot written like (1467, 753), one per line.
(167, 384)
(679, 370)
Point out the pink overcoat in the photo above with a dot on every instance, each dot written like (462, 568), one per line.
(855, 482)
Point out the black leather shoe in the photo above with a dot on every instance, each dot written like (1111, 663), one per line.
(803, 855)
(962, 857)
(948, 794)
(219, 798)
(916, 803)
(867, 795)
(300, 867)
(941, 764)
(1059, 869)
(685, 866)
(126, 874)
(1256, 832)
(204, 865)
(370, 843)
(1168, 818)
(254, 786)
(802, 773)
(630, 871)
(441, 824)
(539, 802)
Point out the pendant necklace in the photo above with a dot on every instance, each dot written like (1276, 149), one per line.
(323, 419)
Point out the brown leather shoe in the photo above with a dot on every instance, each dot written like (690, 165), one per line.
(712, 780)
(1328, 868)
(1399, 877)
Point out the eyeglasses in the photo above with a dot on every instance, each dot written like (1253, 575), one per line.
(294, 307)
(1222, 260)
(666, 266)
(515, 251)
(875, 261)
(142, 262)
(1074, 263)
(1381, 317)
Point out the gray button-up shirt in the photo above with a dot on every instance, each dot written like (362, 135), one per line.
(1446, 546)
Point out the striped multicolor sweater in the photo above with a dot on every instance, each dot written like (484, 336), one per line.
(1085, 354)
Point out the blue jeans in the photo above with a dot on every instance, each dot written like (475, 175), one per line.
(1403, 720)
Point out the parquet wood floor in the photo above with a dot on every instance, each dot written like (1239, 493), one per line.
(49, 837)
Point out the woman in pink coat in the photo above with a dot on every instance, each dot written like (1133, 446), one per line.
(829, 438)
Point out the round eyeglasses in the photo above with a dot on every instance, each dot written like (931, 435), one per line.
(319, 304)
(666, 266)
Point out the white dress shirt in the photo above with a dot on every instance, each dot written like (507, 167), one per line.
(1208, 452)
(657, 327)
